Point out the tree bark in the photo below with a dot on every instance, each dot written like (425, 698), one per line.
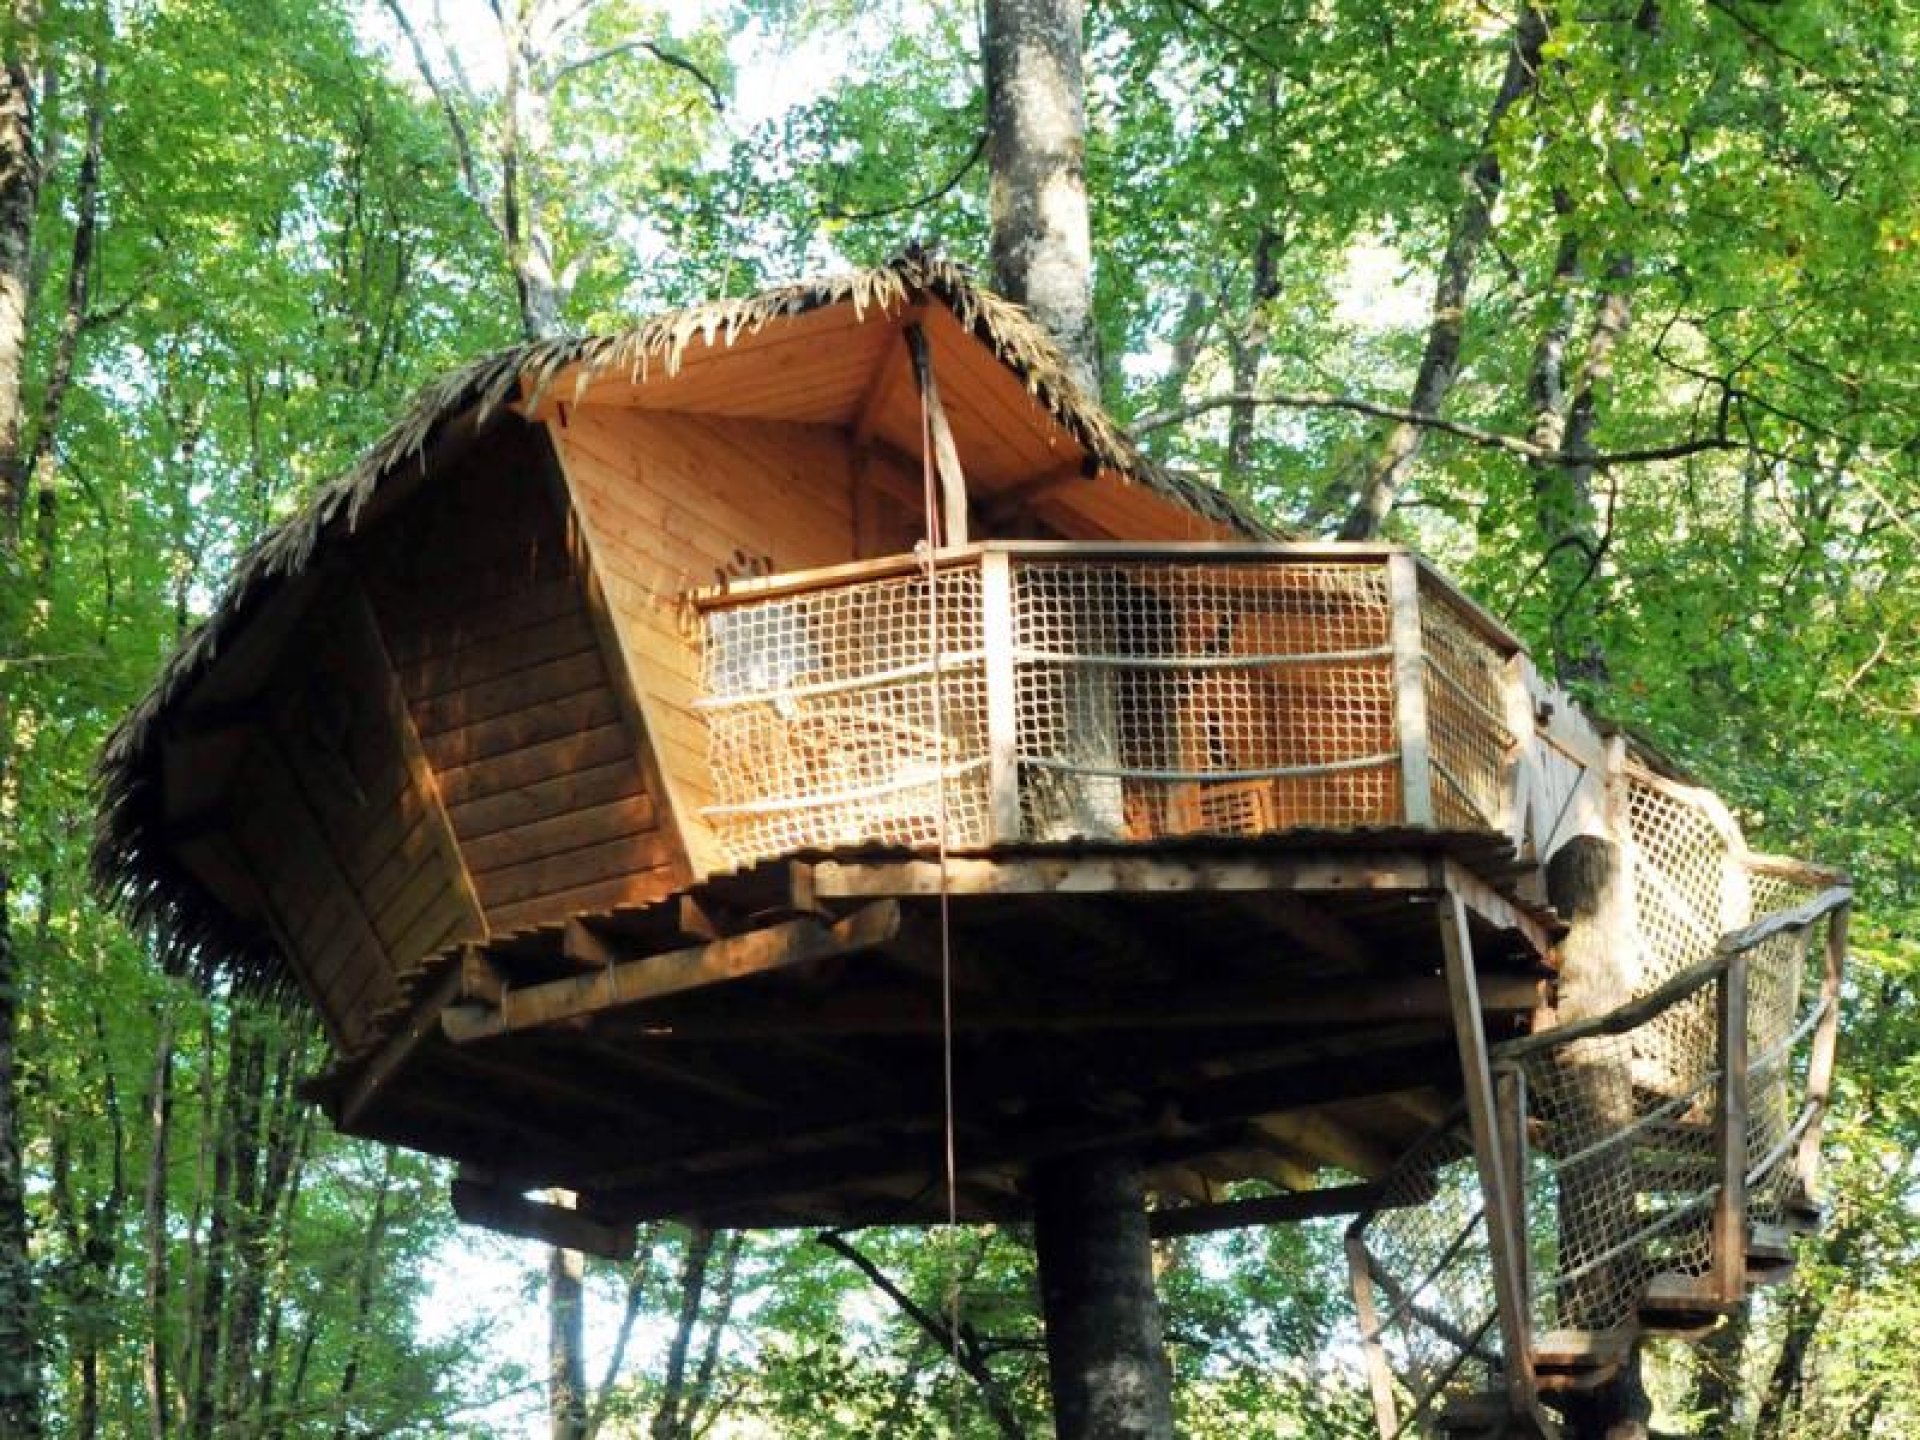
(630, 1313)
(40, 464)
(1041, 238)
(366, 1279)
(1592, 1085)
(1440, 360)
(667, 1416)
(1106, 1359)
(153, 1213)
(566, 1344)
(1248, 346)
(20, 1413)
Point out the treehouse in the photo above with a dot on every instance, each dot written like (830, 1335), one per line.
(667, 752)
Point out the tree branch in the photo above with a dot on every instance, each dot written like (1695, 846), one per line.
(938, 193)
(463, 148)
(659, 52)
(964, 1349)
(1487, 439)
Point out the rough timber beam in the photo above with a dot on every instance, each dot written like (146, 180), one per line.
(478, 1202)
(1109, 874)
(1493, 907)
(1283, 1209)
(634, 982)
(1236, 1006)
(886, 1147)
(1106, 873)
(399, 1047)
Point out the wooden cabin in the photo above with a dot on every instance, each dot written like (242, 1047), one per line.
(628, 759)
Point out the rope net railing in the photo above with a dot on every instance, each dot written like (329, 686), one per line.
(830, 723)
(1466, 682)
(1616, 1132)
(1175, 699)
(1421, 1268)
(1150, 696)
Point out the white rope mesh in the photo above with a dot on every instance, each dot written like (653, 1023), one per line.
(1154, 697)
(1174, 699)
(1621, 1169)
(1470, 746)
(822, 721)
(1427, 1265)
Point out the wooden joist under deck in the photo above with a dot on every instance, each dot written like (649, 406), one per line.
(652, 977)
(766, 1047)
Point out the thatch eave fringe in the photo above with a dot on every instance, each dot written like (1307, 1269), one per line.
(132, 863)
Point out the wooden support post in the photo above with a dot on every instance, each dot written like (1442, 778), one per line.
(1386, 1410)
(1820, 1059)
(946, 455)
(1730, 1134)
(1502, 1214)
(1003, 764)
(1410, 690)
(1106, 1359)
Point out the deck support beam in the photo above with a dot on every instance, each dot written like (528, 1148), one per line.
(620, 984)
(1106, 1357)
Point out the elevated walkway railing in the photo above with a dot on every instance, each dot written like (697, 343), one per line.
(1656, 1153)
(1030, 691)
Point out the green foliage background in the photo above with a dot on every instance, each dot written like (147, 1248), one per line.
(286, 249)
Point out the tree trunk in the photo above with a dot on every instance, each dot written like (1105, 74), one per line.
(1106, 1360)
(1440, 361)
(668, 1416)
(154, 1222)
(1248, 347)
(1591, 1092)
(19, 200)
(700, 1393)
(1041, 240)
(566, 1345)
(1563, 495)
(366, 1278)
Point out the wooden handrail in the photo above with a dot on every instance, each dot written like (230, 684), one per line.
(1432, 581)
(1681, 984)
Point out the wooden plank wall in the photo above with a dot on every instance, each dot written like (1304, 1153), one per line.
(336, 816)
(667, 500)
(483, 611)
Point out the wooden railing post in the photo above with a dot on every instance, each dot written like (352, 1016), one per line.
(1504, 1243)
(1410, 690)
(1730, 1134)
(1510, 1111)
(1003, 763)
(1820, 1058)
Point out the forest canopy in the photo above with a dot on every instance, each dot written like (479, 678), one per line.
(1611, 309)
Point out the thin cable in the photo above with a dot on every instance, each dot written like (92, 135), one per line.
(932, 513)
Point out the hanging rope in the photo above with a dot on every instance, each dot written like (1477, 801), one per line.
(931, 497)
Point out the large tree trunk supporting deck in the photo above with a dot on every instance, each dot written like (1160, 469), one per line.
(1106, 1360)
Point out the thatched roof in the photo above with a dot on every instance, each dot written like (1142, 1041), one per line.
(132, 860)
